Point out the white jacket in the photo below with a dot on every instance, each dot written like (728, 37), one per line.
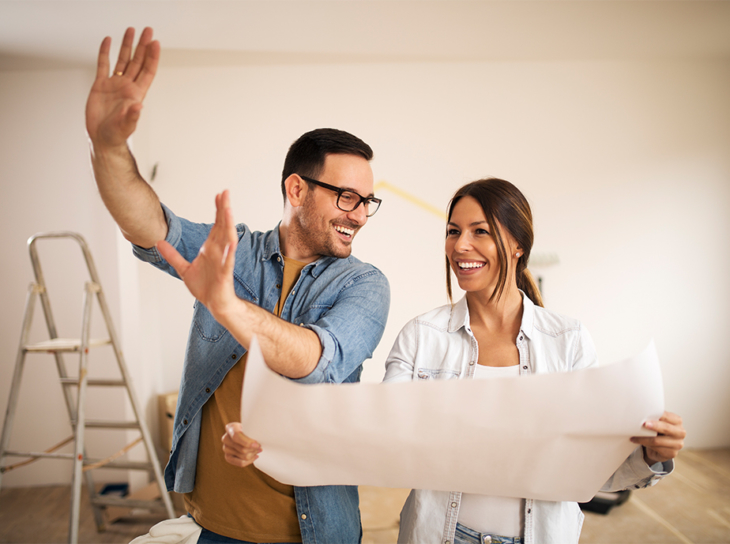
(440, 345)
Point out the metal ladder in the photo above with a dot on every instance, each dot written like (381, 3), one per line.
(82, 465)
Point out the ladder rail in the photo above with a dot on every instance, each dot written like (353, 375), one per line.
(17, 372)
(80, 427)
(48, 314)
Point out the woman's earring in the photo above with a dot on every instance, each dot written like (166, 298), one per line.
(517, 255)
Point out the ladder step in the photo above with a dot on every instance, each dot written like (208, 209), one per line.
(108, 383)
(38, 454)
(127, 503)
(64, 344)
(101, 424)
(127, 465)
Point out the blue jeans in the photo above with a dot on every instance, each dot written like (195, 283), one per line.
(209, 537)
(464, 535)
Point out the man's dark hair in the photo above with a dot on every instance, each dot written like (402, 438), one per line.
(306, 155)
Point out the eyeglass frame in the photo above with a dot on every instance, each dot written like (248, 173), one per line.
(364, 200)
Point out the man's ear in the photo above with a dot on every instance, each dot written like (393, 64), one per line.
(296, 190)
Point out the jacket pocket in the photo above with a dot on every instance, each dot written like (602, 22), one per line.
(437, 374)
(205, 325)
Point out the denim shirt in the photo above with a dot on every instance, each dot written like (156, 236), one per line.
(440, 345)
(344, 301)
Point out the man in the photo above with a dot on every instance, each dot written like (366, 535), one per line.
(332, 307)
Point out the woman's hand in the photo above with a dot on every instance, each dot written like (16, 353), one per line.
(668, 441)
(239, 449)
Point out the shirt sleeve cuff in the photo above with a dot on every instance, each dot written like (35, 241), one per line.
(648, 473)
(174, 234)
(319, 374)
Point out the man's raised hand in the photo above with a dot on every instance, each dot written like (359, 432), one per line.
(210, 276)
(115, 101)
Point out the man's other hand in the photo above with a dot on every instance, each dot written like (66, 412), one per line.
(239, 449)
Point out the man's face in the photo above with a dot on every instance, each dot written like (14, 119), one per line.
(327, 230)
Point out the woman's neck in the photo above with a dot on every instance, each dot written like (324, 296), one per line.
(500, 314)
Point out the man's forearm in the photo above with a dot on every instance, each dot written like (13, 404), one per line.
(290, 350)
(131, 201)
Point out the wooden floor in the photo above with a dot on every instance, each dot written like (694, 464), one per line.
(691, 506)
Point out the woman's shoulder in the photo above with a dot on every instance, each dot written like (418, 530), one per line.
(554, 324)
(437, 317)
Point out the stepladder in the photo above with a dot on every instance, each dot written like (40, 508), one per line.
(75, 386)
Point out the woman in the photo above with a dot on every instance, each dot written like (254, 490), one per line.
(500, 329)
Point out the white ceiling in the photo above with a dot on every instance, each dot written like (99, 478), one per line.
(67, 33)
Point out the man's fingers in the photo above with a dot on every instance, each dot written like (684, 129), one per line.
(149, 67)
(238, 462)
(239, 450)
(173, 257)
(125, 52)
(135, 64)
(102, 64)
(235, 435)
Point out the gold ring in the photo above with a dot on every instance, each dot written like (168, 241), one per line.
(118, 73)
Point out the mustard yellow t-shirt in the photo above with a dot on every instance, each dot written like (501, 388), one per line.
(241, 503)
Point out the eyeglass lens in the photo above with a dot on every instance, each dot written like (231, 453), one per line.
(348, 201)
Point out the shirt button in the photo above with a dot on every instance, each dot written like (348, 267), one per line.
(278, 259)
(278, 286)
(304, 516)
(453, 505)
(207, 389)
(185, 421)
(471, 363)
(487, 539)
(524, 368)
(233, 356)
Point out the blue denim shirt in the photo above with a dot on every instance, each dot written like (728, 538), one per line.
(344, 301)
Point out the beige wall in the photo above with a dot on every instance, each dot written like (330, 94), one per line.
(626, 165)
(46, 185)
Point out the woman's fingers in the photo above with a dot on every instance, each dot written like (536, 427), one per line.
(668, 441)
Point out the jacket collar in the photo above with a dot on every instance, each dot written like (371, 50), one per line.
(528, 315)
(460, 316)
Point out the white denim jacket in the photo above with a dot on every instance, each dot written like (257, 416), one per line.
(440, 345)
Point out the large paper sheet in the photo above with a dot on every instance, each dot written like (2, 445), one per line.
(551, 437)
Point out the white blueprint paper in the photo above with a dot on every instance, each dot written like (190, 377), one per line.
(552, 437)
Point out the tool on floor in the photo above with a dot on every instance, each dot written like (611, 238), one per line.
(76, 406)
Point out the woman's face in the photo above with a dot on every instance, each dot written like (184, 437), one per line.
(471, 249)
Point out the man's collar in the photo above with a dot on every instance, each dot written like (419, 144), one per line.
(272, 248)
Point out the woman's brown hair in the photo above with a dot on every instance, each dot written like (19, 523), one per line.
(504, 203)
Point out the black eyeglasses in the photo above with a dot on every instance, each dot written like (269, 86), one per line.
(348, 200)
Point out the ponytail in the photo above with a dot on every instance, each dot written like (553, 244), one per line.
(526, 283)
